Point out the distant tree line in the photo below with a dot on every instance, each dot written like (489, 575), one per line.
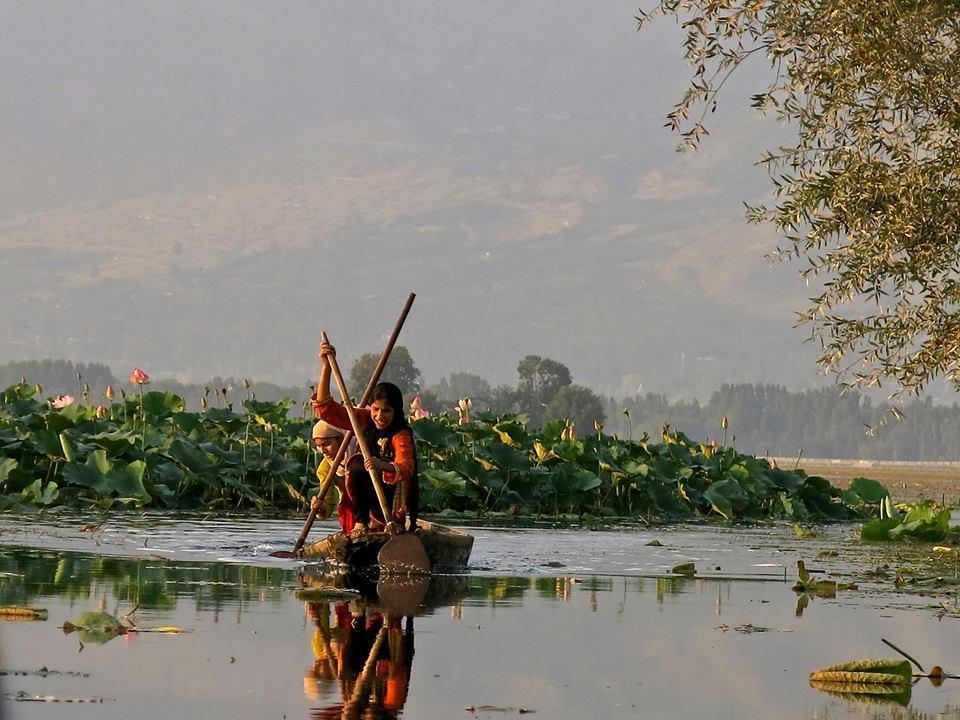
(770, 420)
(763, 419)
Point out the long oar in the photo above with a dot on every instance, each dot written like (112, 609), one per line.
(345, 442)
(402, 552)
(363, 680)
(361, 440)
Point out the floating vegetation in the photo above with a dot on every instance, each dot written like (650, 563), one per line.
(99, 627)
(874, 672)
(687, 569)
(922, 521)
(22, 612)
(148, 450)
(822, 588)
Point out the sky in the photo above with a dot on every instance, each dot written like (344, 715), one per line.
(200, 188)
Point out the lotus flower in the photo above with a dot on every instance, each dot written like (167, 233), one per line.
(102, 412)
(268, 427)
(568, 434)
(417, 411)
(463, 410)
(61, 401)
(139, 377)
(108, 393)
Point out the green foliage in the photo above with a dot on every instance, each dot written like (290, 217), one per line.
(148, 452)
(923, 521)
(400, 370)
(868, 193)
(578, 404)
(459, 385)
(496, 464)
(539, 380)
(158, 454)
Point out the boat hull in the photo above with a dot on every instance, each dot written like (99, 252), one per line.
(446, 547)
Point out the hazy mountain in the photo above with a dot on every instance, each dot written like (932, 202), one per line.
(199, 188)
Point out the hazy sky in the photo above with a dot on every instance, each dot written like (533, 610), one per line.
(199, 188)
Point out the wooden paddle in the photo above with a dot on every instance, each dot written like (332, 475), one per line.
(403, 552)
(345, 443)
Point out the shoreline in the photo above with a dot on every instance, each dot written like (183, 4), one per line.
(906, 480)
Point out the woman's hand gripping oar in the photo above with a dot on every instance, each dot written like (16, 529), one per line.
(403, 552)
(345, 443)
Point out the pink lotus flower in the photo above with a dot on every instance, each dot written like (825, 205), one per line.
(61, 401)
(463, 410)
(102, 412)
(108, 393)
(417, 411)
(139, 377)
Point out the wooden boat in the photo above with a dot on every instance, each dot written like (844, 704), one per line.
(447, 548)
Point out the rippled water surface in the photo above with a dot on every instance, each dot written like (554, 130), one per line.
(559, 623)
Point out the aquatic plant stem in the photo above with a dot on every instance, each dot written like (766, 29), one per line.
(890, 644)
(143, 433)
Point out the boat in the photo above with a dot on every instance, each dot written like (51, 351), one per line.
(447, 548)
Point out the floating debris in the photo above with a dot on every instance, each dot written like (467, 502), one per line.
(870, 672)
(823, 588)
(748, 629)
(26, 697)
(688, 569)
(43, 672)
(22, 612)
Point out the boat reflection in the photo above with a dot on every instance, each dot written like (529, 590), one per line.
(363, 640)
(362, 661)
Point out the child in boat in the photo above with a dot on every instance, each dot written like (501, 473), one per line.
(390, 440)
(327, 438)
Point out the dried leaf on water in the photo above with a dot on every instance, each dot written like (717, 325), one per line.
(873, 672)
(22, 612)
(686, 569)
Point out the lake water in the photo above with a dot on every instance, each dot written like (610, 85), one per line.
(547, 623)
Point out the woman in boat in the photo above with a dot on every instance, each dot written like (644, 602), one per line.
(326, 439)
(390, 440)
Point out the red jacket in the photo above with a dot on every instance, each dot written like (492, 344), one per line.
(401, 444)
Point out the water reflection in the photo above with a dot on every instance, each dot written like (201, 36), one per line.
(293, 641)
(153, 584)
(362, 661)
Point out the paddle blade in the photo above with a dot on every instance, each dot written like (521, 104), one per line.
(404, 554)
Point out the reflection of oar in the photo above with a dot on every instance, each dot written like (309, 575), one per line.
(332, 664)
(332, 472)
(402, 552)
(350, 709)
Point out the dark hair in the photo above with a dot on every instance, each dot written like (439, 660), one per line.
(390, 393)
